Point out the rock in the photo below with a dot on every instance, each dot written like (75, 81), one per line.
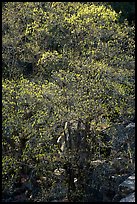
(107, 178)
(130, 125)
(117, 138)
(122, 140)
(110, 178)
(119, 133)
(98, 186)
(128, 184)
(125, 190)
(129, 198)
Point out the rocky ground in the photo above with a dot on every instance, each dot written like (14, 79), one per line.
(111, 180)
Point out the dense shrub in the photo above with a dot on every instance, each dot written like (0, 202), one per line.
(68, 70)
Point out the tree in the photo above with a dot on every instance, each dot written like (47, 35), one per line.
(68, 71)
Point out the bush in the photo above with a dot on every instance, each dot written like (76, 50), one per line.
(68, 72)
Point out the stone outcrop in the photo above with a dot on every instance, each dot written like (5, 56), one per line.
(126, 190)
(129, 198)
(122, 137)
(110, 177)
(107, 180)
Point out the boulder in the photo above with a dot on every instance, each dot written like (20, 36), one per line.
(131, 125)
(126, 190)
(122, 139)
(129, 198)
(129, 184)
(106, 178)
(119, 134)
(109, 178)
(99, 185)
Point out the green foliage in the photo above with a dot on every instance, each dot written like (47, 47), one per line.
(90, 32)
(62, 62)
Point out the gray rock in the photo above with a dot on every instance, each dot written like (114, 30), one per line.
(126, 190)
(129, 183)
(129, 198)
(119, 134)
(131, 125)
(122, 139)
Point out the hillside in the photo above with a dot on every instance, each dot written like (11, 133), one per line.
(68, 101)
